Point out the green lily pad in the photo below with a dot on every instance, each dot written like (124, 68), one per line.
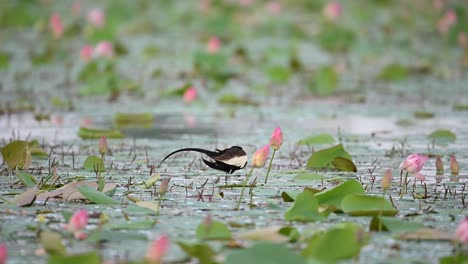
(317, 140)
(334, 197)
(203, 252)
(151, 181)
(442, 136)
(393, 225)
(322, 247)
(17, 154)
(308, 177)
(279, 74)
(4, 60)
(336, 38)
(94, 163)
(134, 119)
(88, 258)
(325, 81)
(231, 99)
(423, 115)
(393, 72)
(133, 225)
(52, 243)
(265, 253)
(367, 205)
(96, 197)
(343, 164)
(93, 133)
(323, 158)
(214, 230)
(304, 209)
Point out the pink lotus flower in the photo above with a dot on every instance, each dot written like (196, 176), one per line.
(3, 253)
(273, 7)
(462, 231)
(387, 179)
(77, 222)
(260, 156)
(190, 94)
(276, 139)
(97, 18)
(447, 21)
(454, 166)
(103, 147)
(86, 53)
(56, 25)
(157, 250)
(213, 45)
(414, 163)
(332, 11)
(104, 49)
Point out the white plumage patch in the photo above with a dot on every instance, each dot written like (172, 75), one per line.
(236, 161)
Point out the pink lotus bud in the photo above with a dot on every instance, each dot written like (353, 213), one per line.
(190, 94)
(273, 7)
(56, 25)
(387, 180)
(97, 18)
(103, 147)
(260, 156)
(86, 53)
(414, 163)
(463, 39)
(446, 22)
(454, 167)
(462, 231)
(276, 139)
(439, 165)
(164, 186)
(3, 254)
(104, 49)
(213, 45)
(78, 221)
(332, 11)
(157, 250)
(419, 176)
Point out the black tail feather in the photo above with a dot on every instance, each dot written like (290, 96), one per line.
(210, 154)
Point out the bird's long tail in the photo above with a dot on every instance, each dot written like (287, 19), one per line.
(211, 154)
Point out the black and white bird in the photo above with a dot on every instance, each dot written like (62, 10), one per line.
(228, 160)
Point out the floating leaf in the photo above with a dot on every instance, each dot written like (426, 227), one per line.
(291, 232)
(393, 225)
(36, 150)
(367, 205)
(289, 196)
(27, 179)
(322, 247)
(26, 198)
(324, 82)
(279, 74)
(94, 163)
(308, 177)
(460, 107)
(133, 225)
(115, 236)
(429, 234)
(70, 192)
(134, 119)
(333, 197)
(203, 252)
(336, 38)
(323, 158)
(92, 133)
(52, 243)
(95, 196)
(88, 258)
(151, 181)
(16, 154)
(317, 140)
(265, 253)
(4, 60)
(393, 72)
(214, 230)
(442, 136)
(343, 164)
(231, 99)
(270, 234)
(457, 258)
(423, 115)
(149, 205)
(304, 209)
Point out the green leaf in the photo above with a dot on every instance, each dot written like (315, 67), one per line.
(423, 115)
(149, 205)
(203, 252)
(231, 99)
(323, 158)
(265, 253)
(322, 247)
(133, 225)
(151, 181)
(308, 177)
(95, 196)
(134, 119)
(16, 154)
(442, 136)
(304, 209)
(115, 236)
(393, 225)
(27, 179)
(92, 133)
(324, 82)
(457, 258)
(94, 163)
(317, 140)
(279, 74)
(88, 258)
(393, 72)
(214, 230)
(289, 196)
(336, 38)
(367, 205)
(52, 243)
(343, 164)
(4, 60)
(333, 197)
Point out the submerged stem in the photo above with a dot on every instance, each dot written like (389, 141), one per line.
(404, 187)
(269, 166)
(243, 187)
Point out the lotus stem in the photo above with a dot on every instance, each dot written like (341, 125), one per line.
(269, 166)
(243, 187)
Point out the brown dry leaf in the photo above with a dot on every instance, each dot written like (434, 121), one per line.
(69, 192)
(426, 234)
(149, 205)
(266, 234)
(26, 198)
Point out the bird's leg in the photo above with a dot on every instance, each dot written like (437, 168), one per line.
(225, 178)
